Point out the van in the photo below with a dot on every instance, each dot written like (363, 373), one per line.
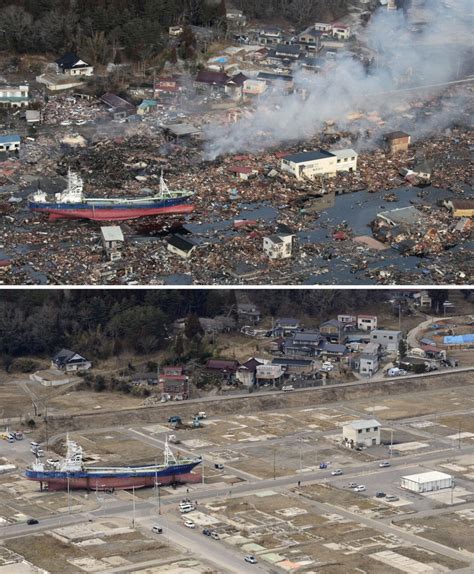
(185, 509)
(288, 388)
(34, 444)
(157, 529)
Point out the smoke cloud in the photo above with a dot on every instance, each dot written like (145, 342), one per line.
(418, 47)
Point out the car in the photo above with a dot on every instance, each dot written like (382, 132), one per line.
(336, 472)
(189, 524)
(353, 485)
(391, 498)
(250, 558)
(206, 532)
(384, 464)
(288, 388)
(380, 494)
(218, 466)
(157, 529)
(186, 509)
(323, 465)
(215, 535)
(31, 521)
(359, 488)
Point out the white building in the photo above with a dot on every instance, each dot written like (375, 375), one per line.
(346, 159)
(10, 143)
(366, 322)
(72, 65)
(427, 481)
(14, 96)
(361, 433)
(341, 31)
(269, 372)
(254, 87)
(368, 364)
(387, 339)
(323, 27)
(278, 245)
(310, 164)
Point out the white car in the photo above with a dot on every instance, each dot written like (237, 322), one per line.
(250, 558)
(384, 464)
(353, 485)
(391, 498)
(359, 488)
(336, 472)
(189, 524)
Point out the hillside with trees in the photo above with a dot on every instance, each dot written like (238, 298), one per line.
(111, 30)
(106, 323)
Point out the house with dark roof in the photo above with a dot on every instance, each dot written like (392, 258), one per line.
(71, 65)
(210, 80)
(285, 326)
(117, 106)
(295, 366)
(180, 245)
(70, 362)
(227, 369)
(333, 330)
(234, 87)
(248, 313)
(397, 141)
(246, 373)
(303, 344)
(310, 164)
(284, 53)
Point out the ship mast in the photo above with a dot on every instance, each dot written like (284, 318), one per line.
(169, 456)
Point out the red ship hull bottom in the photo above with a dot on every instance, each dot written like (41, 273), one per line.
(124, 483)
(114, 214)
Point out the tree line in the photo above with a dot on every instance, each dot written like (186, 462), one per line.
(115, 30)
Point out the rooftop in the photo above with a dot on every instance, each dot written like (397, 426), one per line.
(427, 476)
(363, 424)
(306, 156)
(9, 139)
(112, 233)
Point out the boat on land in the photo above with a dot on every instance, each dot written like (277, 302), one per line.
(73, 204)
(70, 472)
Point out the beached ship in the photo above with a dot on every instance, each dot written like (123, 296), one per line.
(72, 203)
(71, 472)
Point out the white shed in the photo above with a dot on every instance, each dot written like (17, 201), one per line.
(364, 432)
(427, 481)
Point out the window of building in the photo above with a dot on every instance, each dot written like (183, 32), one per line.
(359, 431)
(390, 337)
(338, 161)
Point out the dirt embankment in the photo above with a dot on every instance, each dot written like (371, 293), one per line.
(253, 404)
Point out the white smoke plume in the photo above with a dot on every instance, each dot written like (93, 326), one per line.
(407, 53)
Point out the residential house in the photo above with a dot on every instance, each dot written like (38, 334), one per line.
(311, 164)
(235, 18)
(234, 87)
(210, 80)
(402, 216)
(279, 245)
(146, 107)
(243, 172)
(397, 141)
(71, 65)
(333, 331)
(269, 373)
(248, 313)
(282, 82)
(311, 39)
(246, 373)
(270, 36)
(12, 96)
(361, 433)
(341, 31)
(347, 319)
(253, 87)
(346, 159)
(285, 326)
(295, 366)
(387, 339)
(335, 350)
(368, 364)
(225, 368)
(10, 143)
(167, 87)
(174, 383)
(283, 53)
(117, 106)
(366, 322)
(144, 378)
(112, 238)
(70, 362)
(323, 27)
(423, 299)
(303, 343)
(182, 246)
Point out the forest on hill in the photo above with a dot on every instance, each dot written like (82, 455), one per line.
(103, 323)
(134, 29)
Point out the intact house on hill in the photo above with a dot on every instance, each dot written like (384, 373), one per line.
(225, 368)
(387, 339)
(71, 65)
(361, 433)
(211, 81)
(70, 362)
(334, 331)
(303, 344)
(174, 384)
(248, 313)
(247, 372)
(14, 96)
(285, 326)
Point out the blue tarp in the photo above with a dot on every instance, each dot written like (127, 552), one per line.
(458, 339)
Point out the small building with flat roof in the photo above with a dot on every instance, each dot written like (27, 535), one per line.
(10, 143)
(427, 481)
(310, 164)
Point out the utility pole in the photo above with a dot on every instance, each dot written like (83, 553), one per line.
(202, 470)
(391, 442)
(68, 495)
(274, 463)
(133, 518)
